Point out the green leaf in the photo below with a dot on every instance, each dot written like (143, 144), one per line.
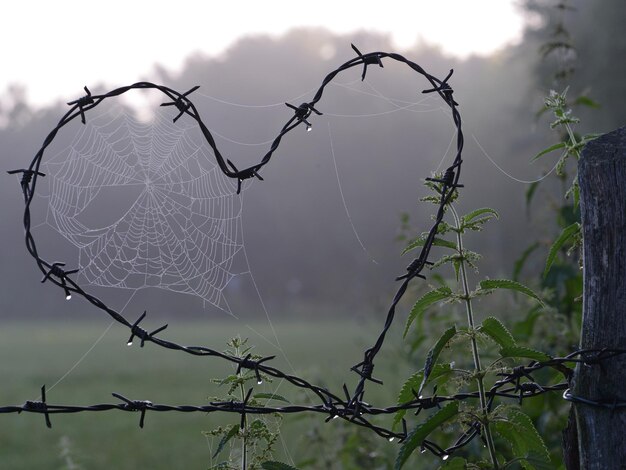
(307, 462)
(566, 234)
(467, 256)
(273, 465)
(567, 215)
(524, 328)
(525, 441)
(270, 396)
(421, 432)
(229, 379)
(522, 351)
(489, 284)
(521, 261)
(530, 192)
(477, 218)
(413, 383)
(574, 190)
(422, 240)
(493, 328)
(438, 278)
(227, 437)
(478, 212)
(220, 466)
(552, 148)
(406, 392)
(457, 463)
(586, 101)
(589, 137)
(416, 341)
(424, 302)
(433, 354)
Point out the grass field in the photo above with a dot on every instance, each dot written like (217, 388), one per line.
(33, 354)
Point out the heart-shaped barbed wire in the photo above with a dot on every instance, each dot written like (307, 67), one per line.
(345, 405)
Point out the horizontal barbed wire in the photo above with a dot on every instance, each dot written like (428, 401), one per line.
(510, 387)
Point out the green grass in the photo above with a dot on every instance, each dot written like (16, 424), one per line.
(33, 354)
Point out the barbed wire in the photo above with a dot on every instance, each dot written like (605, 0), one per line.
(348, 406)
(509, 387)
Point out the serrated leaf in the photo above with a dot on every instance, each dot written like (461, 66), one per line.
(436, 241)
(522, 351)
(567, 233)
(488, 284)
(406, 395)
(467, 218)
(552, 148)
(421, 432)
(227, 437)
(273, 465)
(457, 463)
(229, 379)
(413, 383)
(443, 227)
(433, 354)
(493, 328)
(258, 425)
(424, 302)
(270, 396)
(446, 259)
(525, 441)
(468, 256)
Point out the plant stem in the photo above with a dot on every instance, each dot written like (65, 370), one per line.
(572, 138)
(470, 321)
(244, 443)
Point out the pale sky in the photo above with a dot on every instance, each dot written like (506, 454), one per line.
(56, 47)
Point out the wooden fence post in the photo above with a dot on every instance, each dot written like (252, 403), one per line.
(602, 177)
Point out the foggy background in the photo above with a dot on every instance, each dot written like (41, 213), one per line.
(302, 250)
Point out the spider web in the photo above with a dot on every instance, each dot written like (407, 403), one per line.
(146, 206)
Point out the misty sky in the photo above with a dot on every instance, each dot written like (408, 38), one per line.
(118, 42)
(363, 163)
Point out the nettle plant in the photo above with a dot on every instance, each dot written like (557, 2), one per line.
(571, 146)
(250, 443)
(508, 435)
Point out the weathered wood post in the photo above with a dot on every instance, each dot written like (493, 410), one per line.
(602, 176)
